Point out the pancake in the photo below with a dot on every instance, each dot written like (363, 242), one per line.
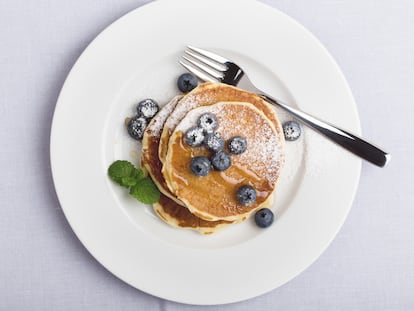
(150, 144)
(180, 217)
(213, 197)
(208, 94)
(169, 208)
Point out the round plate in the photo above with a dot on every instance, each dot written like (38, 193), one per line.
(137, 57)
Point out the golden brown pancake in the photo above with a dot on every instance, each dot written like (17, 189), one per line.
(213, 197)
(208, 94)
(150, 144)
(180, 217)
(169, 208)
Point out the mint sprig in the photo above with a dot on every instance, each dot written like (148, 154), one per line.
(119, 171)
(127, 175)
(128, 181)
(145, 191)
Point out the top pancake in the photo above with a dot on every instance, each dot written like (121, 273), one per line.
(208, 94)
(213, 197)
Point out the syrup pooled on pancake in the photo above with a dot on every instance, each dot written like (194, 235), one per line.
(208, 94)
(213, 197)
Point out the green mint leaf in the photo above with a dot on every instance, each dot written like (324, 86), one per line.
(138, 174)
(128, 181)
(142, 188)
(120, 169)
(145, 191)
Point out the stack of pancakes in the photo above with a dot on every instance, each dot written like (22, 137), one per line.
(209, 203)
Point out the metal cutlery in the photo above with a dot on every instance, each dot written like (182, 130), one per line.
(209, 66)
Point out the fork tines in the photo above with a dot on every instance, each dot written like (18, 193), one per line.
(205, 65)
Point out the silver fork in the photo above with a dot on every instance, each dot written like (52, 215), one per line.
(209, 66)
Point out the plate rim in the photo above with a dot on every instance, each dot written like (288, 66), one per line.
(55, 172)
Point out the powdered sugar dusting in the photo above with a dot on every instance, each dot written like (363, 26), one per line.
(264, 153)
(190, 102)
(157, 123)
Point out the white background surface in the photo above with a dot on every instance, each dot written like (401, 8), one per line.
(43, 266)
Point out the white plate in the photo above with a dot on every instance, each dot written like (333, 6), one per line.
(137, 57)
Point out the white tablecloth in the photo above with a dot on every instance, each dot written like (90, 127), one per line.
(43, 266)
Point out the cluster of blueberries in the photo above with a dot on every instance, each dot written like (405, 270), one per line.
(146, 110)
(204, 135)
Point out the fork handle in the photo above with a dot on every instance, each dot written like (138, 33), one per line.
(349, 141)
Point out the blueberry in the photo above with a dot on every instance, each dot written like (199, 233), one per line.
(291, 130)
(264, 218)
(208, 122)
(136, 127)
(214, 142)
(194, 136)
(148, 108)
(237, 144)
(246, 195)
(186, 82)
(200, 166)
(221, 161)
